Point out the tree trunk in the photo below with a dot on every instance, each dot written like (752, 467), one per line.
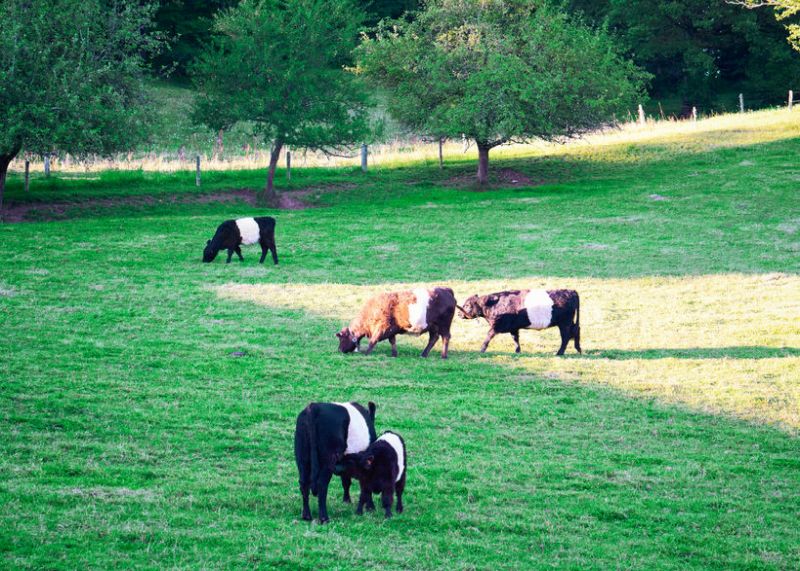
(269, 191)
(5, 160)
(483, 163)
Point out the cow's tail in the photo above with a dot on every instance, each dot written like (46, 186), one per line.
(311, 419)
(576, 328)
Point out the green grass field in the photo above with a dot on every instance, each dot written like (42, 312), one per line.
(132, 437)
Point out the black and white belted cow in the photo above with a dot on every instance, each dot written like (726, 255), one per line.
(510, 311)
(232, 234)
(324, 433)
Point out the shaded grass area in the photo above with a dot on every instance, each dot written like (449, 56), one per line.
(133, 437)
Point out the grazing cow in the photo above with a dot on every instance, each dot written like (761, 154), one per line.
(381, 468)
(510, 311)
(244, 231)
(324, 433)
(389, 314)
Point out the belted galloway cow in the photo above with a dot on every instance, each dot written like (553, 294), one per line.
(510, 311)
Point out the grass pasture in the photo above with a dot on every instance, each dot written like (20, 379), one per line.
(131, 436)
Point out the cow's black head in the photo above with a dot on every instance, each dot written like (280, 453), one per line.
(471, 309)
(209, 253)
(347, 341)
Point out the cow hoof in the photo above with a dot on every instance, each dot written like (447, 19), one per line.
(323, 520)
(347, 500)
(518, 350)
(306, 517)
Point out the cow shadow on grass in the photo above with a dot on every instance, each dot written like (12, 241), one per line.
(742, 352)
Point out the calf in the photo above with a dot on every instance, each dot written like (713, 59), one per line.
(244, 231)
(324, 433)
(510, 311)
(389, 314)
(381, 468)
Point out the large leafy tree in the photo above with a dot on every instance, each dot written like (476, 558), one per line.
(188, 25)
(784, 9)
(498, 71)
(281, 65)
(71, 76)
(697, 49)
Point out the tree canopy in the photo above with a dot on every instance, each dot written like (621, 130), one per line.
(784, 9)
(280, 65)
(498, 71)
(188, 25)
(696, 49)
(71, 76)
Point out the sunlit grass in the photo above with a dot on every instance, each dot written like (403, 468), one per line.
(724, 343)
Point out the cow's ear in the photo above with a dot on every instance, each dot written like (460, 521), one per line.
(339, 334)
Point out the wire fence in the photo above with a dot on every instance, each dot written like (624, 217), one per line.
(407, 147)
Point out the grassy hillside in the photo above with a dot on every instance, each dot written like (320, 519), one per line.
(135, 437)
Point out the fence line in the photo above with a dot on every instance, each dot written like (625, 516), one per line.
(411, 147)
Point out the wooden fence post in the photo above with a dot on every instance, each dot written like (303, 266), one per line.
(288, 165)
(741, 103)
(197, 171)
(47, 165)
(641, 115)
(27, 174)
(364, 157)
(694, 114)
(441, 155)
(791, 99)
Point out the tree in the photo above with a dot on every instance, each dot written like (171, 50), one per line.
(188, 25)
(784, 9)
(697, 49)
(498, 71)
(71, 76)
(281, 65)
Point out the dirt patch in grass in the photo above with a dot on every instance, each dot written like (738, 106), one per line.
(500, 178)
(62, 209)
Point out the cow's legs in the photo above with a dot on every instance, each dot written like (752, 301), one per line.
(364, 498)
(515, 335)
(489, 337)
(264, 249)
(305, 486)
(323, 481)
(274, 253)
(346, 482)
(393, 341)
(576, 335)
(386, 501)
(239, 253)
(399, 488)
(371, 346)
(445, 345)
(564, 330)
(432, 339)
(230, 255)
